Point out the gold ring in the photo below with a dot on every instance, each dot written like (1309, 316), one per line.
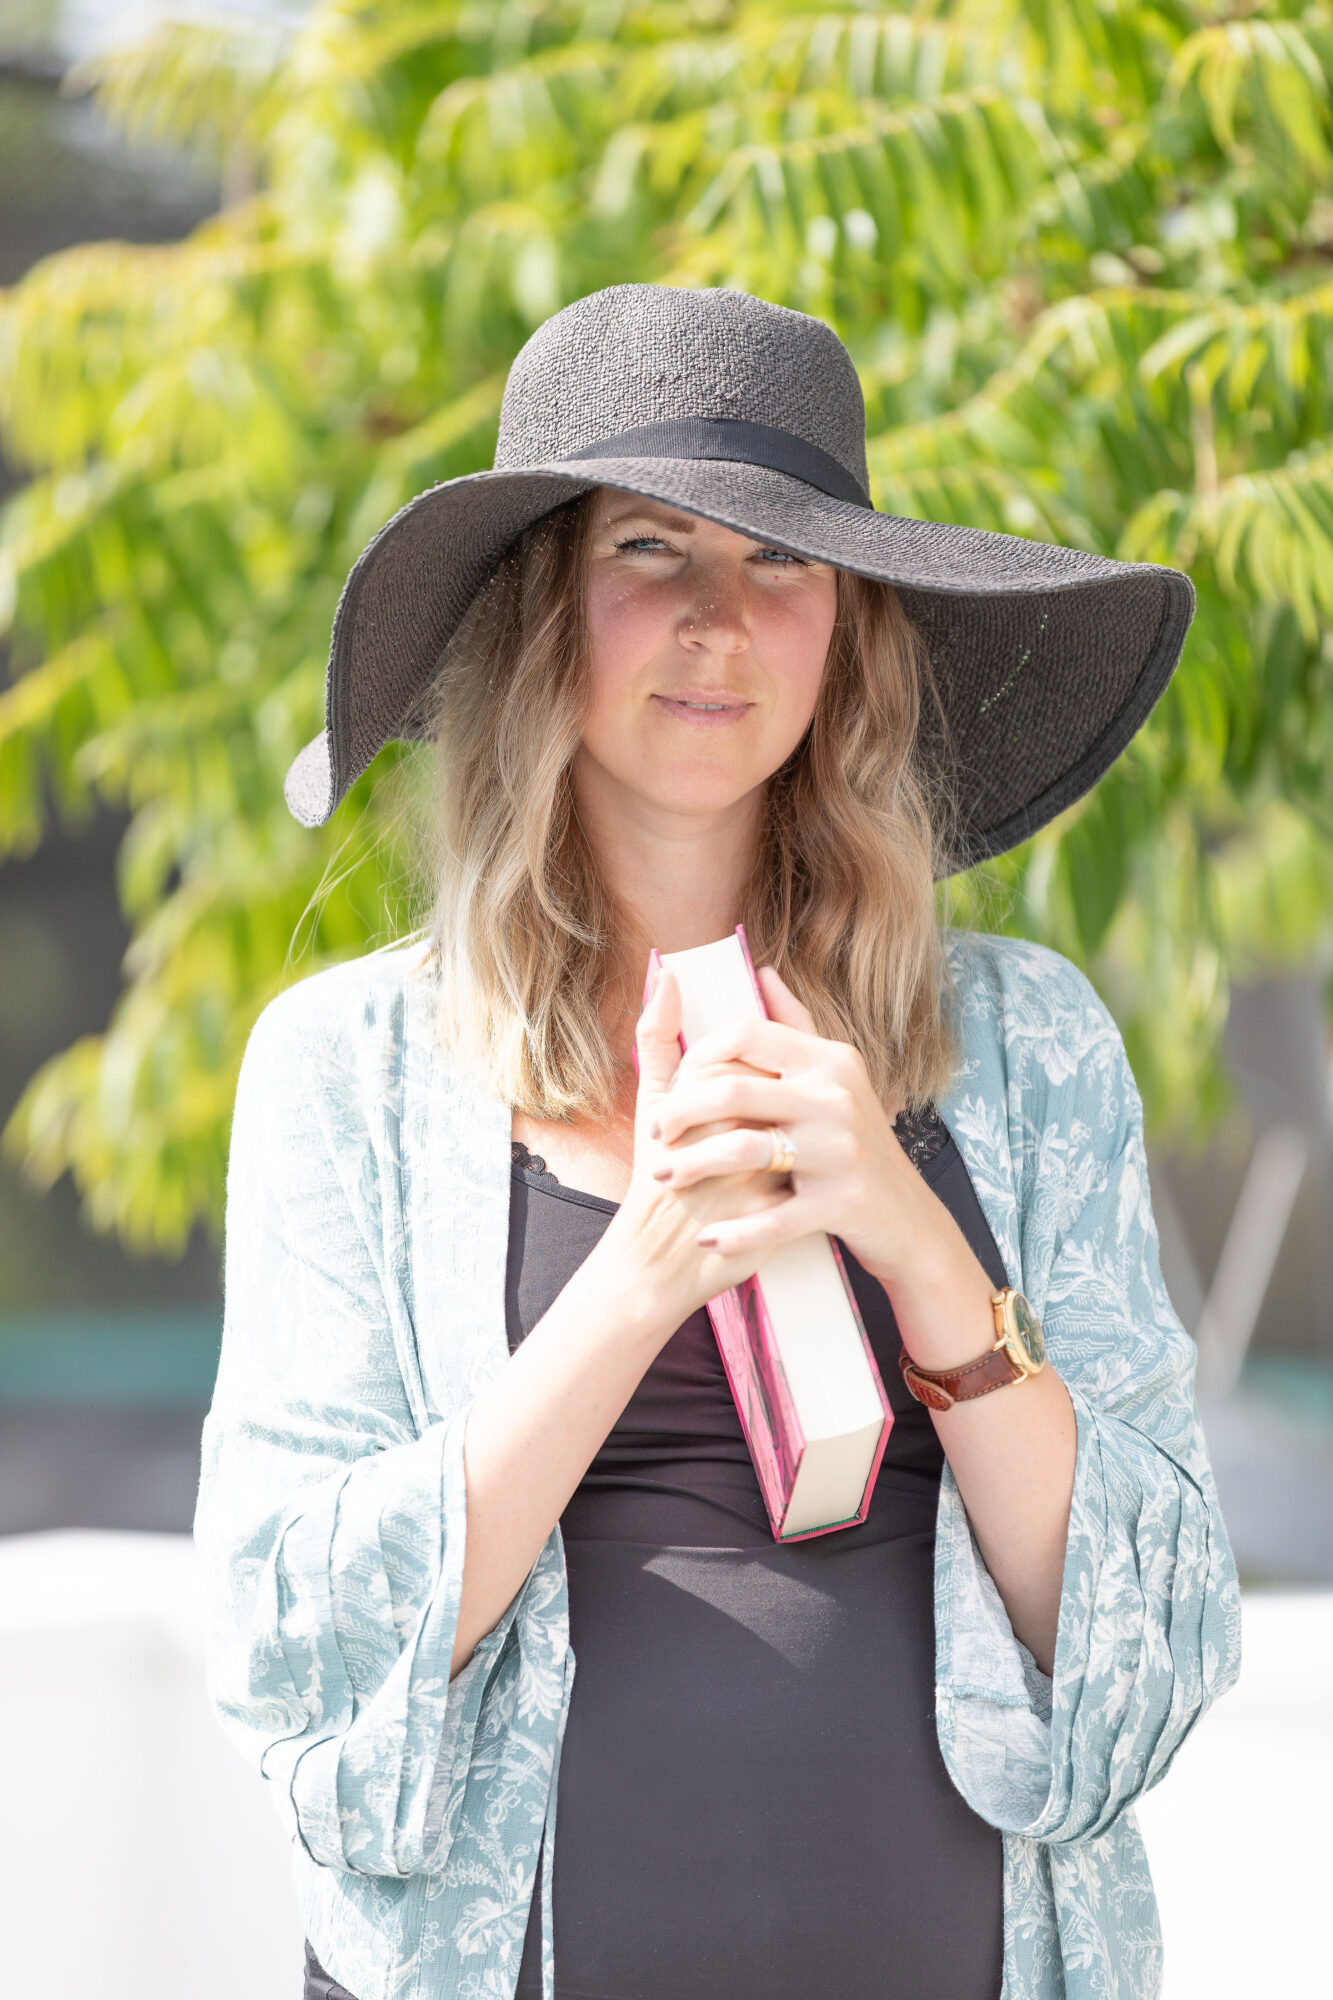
(783, 1157)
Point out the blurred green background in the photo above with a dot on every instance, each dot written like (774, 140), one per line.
(1081, 254)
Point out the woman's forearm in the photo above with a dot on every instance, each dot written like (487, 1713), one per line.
(532, 1433)
(1015, 1470)
(1011, 1452)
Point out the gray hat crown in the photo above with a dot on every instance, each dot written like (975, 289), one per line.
(642, 354)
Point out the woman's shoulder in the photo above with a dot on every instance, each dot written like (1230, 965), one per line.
(341, 1013)
(1028, 1022)
(998, 972)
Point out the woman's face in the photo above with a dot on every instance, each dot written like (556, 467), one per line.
(680, 610)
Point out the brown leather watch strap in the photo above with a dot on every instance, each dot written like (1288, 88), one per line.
(941, 1388)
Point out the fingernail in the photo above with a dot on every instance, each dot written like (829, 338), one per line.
(654, 1130)
(706, 1242)
(661, 1173)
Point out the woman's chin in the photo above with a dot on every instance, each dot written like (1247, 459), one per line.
(708, 774)
(688, 788)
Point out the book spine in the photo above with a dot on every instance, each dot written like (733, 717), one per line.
(759, 1389)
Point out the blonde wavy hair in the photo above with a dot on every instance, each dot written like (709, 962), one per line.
(840, 898)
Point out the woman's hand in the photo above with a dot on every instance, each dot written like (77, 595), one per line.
(534, 1428)
(851, 1178)
(1012, 1453)
(655, 1231)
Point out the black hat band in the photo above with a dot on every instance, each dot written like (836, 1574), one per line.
(729, 437)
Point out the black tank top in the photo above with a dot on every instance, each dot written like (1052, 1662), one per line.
(751, 1802)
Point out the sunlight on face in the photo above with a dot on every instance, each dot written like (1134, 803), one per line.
(681, 608)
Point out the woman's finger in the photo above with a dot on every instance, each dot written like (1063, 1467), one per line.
(657, 1043)
(781, 1002)
(758, 1100)
(755, 1235)
(772, 1046)
(746, 1151)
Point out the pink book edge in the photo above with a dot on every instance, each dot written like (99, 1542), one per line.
(754, 976)
(776, 1468)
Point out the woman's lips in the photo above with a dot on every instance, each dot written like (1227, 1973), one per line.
(704, 718)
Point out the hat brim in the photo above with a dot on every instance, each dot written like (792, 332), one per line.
(1047, 660)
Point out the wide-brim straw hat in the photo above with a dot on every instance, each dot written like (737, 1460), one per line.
(1046, 659)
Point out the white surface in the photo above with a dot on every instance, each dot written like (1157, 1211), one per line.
(139, 1858)
(115, 1772)
(1240, 1831)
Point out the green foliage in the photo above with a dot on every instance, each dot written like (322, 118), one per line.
(1080, 253)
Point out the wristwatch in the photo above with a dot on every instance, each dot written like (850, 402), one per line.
(1019, 1351)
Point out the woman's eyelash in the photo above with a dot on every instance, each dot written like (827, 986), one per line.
(655, 541)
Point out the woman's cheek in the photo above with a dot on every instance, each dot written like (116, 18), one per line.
(798, 631)
(802, 670)
(624, 632)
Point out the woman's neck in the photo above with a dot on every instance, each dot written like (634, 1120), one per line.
(677, 879)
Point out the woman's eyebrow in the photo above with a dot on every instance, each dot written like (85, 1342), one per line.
(680, 524)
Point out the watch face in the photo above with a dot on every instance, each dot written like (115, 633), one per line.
(1028, 1328)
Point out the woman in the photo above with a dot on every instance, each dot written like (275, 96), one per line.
(470, 1426)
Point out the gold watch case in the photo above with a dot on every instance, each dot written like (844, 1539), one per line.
(1018, 1331)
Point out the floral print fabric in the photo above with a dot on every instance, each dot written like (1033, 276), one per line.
(367, 1225)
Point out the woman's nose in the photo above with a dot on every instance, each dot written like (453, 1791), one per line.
(715, 616)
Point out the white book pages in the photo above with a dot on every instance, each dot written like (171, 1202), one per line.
(819, 1341)
(715, 987)
(831, 1479)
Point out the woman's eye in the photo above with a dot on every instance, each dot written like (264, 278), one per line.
(641, 542)
(784, 560)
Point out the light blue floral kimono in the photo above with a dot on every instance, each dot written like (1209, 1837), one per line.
(367, 1233)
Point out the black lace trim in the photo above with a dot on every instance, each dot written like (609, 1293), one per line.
(922, 1134)
(531, 1163)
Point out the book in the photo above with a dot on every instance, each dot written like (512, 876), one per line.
(807, 1389)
